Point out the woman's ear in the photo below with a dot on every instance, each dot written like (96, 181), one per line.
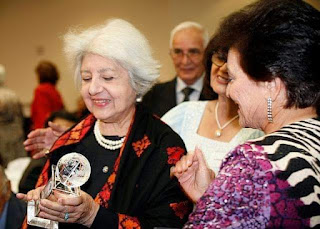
(273, 88)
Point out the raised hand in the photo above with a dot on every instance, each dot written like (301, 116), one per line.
(193, 174)
(41, 140)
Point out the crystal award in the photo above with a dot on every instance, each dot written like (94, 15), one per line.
(71, 171)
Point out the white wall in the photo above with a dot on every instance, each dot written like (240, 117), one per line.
(31, 31)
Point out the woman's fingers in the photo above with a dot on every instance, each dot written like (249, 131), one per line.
(21, 196)
(55, 206)
(67, 208)
(40, 154)
(183, 164)
(57, 129)
(31, 195)
(30, 142)
(37, 133)
(73, 201)
(200, 158)
(59, 216)
(56, 211)
(35, 141)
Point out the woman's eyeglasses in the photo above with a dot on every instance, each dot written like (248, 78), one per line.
(218, 59)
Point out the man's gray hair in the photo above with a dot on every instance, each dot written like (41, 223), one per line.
(120, 41)
(188, 25)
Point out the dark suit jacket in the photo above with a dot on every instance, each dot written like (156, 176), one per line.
(162, 97)
(16, 212)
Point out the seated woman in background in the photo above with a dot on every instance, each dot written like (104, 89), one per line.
(273, 181)
(130, 151)
(211, 125)
(47, 98)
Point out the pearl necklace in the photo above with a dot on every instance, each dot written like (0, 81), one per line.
(106, 143)
(218, 132)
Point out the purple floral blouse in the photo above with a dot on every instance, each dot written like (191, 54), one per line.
(272, 182)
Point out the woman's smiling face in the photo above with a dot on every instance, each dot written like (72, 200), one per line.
(219, 74)
(247, 93)
(106, 88)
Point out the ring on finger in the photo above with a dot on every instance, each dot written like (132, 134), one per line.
(66, 216)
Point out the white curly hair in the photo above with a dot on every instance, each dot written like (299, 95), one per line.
(120, 41)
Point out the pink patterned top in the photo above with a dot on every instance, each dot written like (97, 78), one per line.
(273, 181)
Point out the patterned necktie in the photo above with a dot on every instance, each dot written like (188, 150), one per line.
(187, 91)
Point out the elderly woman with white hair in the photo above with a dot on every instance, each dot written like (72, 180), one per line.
(130, 150)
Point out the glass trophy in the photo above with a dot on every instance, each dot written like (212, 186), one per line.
(71, 171)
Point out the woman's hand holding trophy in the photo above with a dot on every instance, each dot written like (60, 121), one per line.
(61, 199)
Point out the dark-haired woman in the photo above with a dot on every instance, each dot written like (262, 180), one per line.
(47, 98)
(274, 181)
(211, 125)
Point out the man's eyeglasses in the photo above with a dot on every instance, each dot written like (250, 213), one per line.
(218, 59)
(193, 53)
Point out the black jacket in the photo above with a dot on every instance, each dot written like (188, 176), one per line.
(162, 97)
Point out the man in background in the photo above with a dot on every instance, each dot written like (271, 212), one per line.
(187, 43)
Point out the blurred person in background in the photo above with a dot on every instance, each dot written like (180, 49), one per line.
(11, 123)
(12, 210)
(47, 98)
(187, 43)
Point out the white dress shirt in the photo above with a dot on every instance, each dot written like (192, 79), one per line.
(195, 94)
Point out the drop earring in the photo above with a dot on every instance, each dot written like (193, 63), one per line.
(269, 111)
(138, 98)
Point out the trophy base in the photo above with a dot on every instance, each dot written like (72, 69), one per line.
(33, 220)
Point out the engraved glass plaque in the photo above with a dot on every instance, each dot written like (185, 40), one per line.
(71, 171)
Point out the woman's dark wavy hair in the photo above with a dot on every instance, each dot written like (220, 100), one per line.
(278, 38)
(47, 72)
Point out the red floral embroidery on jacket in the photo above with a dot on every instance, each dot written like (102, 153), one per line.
(181, 209)
(140, 145)
(127, 222)
(103, 196)
(75, 134)
(174, 154)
